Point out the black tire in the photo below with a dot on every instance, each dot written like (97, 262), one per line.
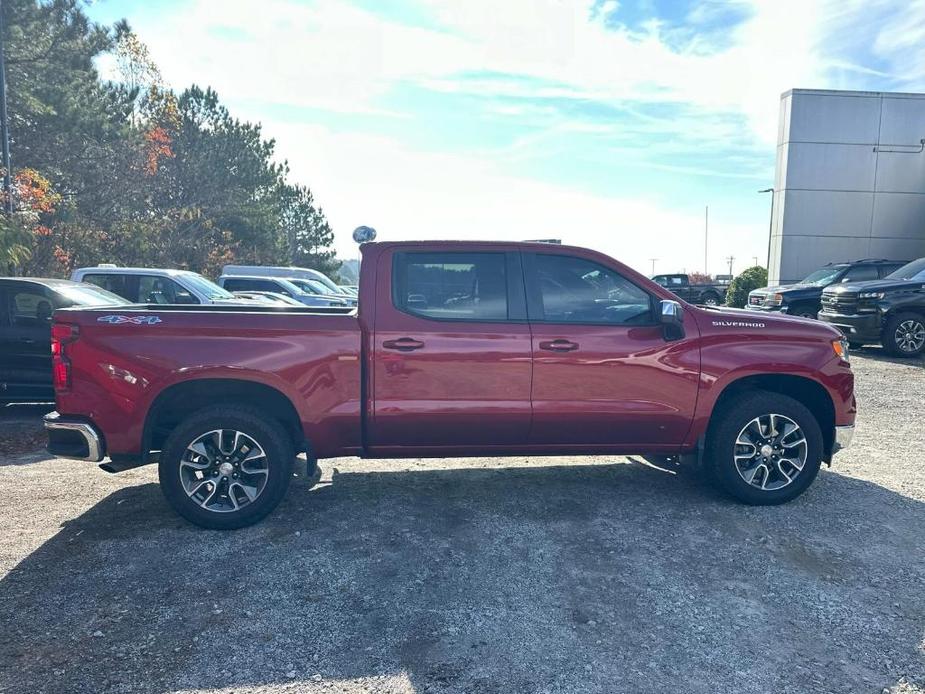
(727, 423)
(892, 341)
(710, 299)
(278, 462)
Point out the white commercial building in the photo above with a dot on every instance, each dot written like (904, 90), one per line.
(850, 180)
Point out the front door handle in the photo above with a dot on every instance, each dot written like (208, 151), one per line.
(559, 345)
(403, 344)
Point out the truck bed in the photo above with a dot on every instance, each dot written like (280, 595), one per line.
(125, 357)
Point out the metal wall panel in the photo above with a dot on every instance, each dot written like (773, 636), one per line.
(840, 195)
(827, 213)
(834, 117)
(830, 167)
(899, 216)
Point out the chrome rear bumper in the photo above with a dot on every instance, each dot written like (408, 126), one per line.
(73, 438)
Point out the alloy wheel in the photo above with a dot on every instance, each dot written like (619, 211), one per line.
(770, 452)
(910, 335)
(224, 470)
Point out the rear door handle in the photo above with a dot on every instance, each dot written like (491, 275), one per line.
(403, 344)
(559, 345)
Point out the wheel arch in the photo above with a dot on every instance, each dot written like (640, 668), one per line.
(178, 401)
(810, 393)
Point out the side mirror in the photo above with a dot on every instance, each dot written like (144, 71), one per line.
(671, 318)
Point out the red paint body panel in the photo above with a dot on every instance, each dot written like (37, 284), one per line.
(469, 388)
(313, 360)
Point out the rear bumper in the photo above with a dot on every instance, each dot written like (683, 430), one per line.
(69, 437)
(856, 327)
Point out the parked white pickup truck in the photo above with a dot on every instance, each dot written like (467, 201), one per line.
(144, 285)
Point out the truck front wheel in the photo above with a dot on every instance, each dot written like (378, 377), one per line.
(904, 335)
(763, 448)
(226, 467)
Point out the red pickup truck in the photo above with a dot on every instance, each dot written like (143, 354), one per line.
(457, 349)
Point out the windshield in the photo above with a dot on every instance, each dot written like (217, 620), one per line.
(824, 276)
(910, 271)
(205, 287)
(86, 294)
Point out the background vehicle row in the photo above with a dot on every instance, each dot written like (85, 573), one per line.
(890, 311)
(803, 298)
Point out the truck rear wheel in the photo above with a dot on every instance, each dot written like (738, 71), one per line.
(904, 335)
(226, 466)
(764, 448)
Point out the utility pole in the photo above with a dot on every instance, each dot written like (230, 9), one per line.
(729, 260)
(755, 258)
(653, 264)
(706, 235)
(4, 127)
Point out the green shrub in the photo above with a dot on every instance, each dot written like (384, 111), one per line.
(741, 285)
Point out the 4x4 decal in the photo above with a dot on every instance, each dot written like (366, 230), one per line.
(133, 320)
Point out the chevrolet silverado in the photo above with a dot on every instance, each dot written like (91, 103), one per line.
(456, 349)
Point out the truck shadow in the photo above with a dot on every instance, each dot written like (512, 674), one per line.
(598, 577)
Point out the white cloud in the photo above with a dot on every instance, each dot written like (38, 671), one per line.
(333, 56)
(409, 194)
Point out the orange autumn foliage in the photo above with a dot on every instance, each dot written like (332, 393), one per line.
(158, 147)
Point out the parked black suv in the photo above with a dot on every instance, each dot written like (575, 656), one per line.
(26, 306)
(803, 298)
(890, 311)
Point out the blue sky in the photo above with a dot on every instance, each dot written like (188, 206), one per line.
(610, 124)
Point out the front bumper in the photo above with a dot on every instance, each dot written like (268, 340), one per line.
(857, 327)
(843, 436)
(762, 307)
(69, 437)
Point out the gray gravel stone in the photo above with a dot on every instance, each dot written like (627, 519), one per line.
(598, 574)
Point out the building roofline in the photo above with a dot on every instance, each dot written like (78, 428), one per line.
(853, 94)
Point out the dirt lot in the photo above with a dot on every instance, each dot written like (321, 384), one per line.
(484, 575)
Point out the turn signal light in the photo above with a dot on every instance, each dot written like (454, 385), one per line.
(841, 349)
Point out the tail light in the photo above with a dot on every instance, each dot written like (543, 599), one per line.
(62, 334)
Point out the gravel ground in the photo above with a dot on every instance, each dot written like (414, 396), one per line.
(484, 575)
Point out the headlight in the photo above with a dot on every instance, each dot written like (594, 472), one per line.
(774, 300)
(871, 295)
(841, 349)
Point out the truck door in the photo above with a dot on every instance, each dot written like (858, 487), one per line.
(603, 374)
(451, 351)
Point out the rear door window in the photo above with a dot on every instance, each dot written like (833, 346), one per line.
(451, 286)
(252, 285)
(153, 289)
(117, 284)
(861, 273)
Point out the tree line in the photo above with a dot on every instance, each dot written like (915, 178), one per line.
(130, 171)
